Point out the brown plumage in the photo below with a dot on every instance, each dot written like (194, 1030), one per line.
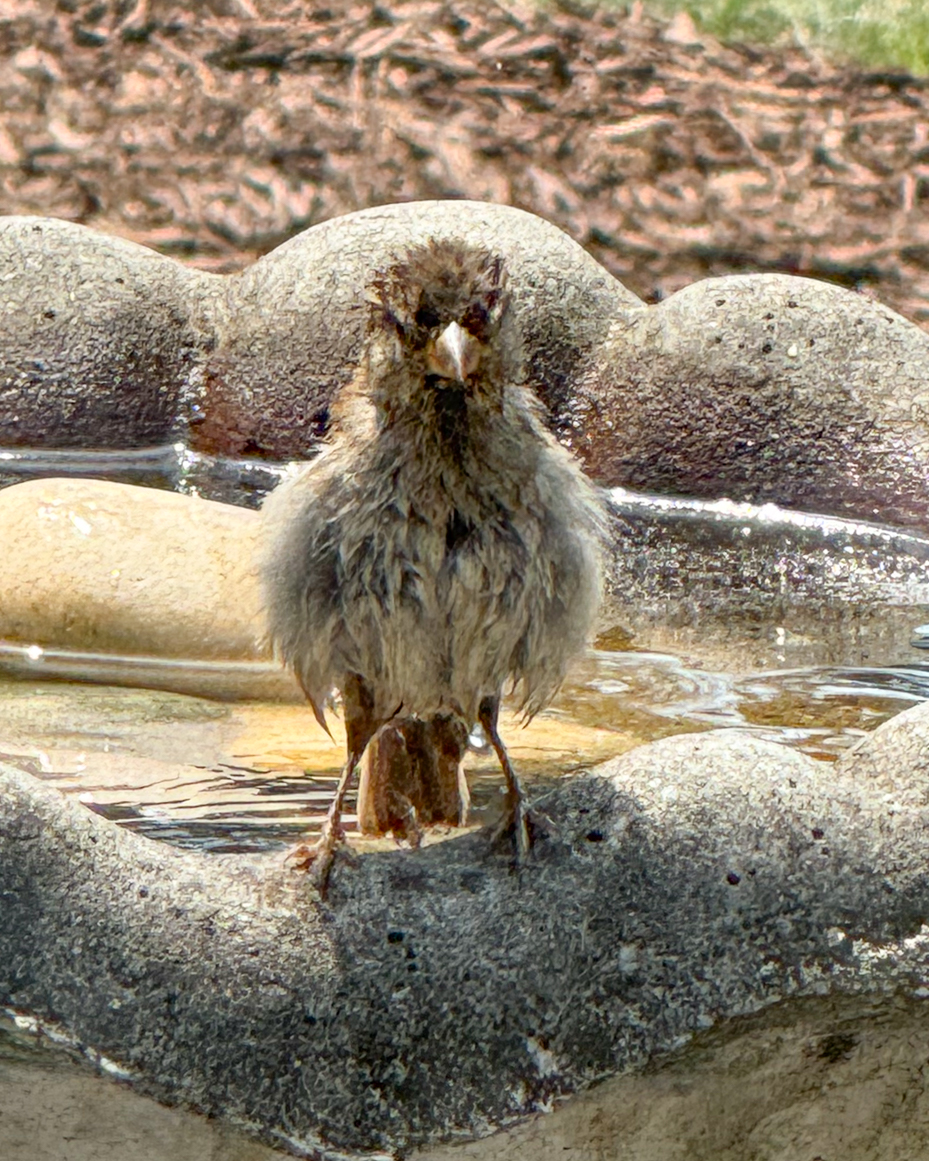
(443, 544)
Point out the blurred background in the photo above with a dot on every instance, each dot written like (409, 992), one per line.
(672, 141)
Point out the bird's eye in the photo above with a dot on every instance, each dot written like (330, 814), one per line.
(475, 320)
(389, 321)
(428, 317)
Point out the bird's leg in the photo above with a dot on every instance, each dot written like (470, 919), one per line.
(360, 727)
(318, 859)
(515, 816)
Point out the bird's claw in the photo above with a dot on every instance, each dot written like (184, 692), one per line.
(516, 824)
(521, 835)
(410, 828)
(317, 859)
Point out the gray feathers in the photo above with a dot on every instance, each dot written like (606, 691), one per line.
(443, 544)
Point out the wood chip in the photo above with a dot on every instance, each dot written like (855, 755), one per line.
(213, 137)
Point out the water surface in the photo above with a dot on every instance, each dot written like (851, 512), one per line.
(258, 775)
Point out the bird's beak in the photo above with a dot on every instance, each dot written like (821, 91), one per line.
(456, 354)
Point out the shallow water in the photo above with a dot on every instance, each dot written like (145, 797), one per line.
(170, 466)
(257, 776)
(794, 626)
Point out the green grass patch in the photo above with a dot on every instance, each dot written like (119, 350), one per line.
(874, 34)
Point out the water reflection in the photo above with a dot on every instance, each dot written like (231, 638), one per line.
(822, 710)
(794, 626)
(173, 467)
(257, 776)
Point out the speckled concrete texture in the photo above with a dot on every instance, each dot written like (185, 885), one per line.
(98, 336)
(292, 332)
(108, 344)
(443, 994)
(763, 387)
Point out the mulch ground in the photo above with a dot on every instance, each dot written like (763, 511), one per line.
(214, 132)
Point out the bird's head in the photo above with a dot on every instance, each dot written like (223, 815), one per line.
(440, 321)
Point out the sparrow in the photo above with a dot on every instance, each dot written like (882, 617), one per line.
(443, 546)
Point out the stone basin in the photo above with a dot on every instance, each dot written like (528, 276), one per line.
(703, 906)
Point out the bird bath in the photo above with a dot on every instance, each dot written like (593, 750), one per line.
(203, 756)
(216, 757)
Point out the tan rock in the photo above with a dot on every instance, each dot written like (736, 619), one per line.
(138, 577)
(97, 566)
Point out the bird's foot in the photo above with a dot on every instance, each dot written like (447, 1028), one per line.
(516, 825)
(316, 859)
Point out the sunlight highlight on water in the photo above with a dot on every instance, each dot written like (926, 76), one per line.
(795, 626)
(258, 776)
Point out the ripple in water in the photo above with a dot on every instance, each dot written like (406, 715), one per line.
(259, 776)
(234, 774)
